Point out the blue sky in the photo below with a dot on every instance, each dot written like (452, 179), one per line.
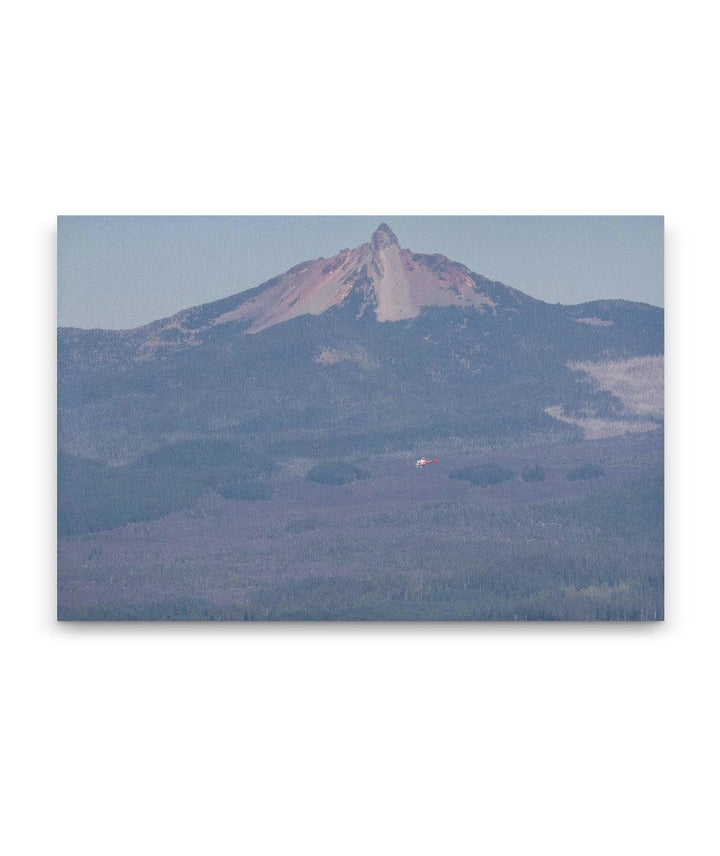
(120, 272)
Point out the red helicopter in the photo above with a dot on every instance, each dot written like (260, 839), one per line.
(423, 462)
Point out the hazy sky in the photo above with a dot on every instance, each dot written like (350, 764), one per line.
(120, 272)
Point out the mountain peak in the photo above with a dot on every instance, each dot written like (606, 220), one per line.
(379, 279)
(384, 236)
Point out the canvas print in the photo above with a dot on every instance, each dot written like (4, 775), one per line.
(360, 418)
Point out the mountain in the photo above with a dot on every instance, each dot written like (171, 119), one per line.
(377, 348)
(378, 279)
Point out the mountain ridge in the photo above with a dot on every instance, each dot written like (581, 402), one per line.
(378, 279)
(459, 356)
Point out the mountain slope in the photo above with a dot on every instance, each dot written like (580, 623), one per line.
(377, 348)
(377, 279)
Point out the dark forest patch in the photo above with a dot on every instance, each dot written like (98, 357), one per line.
(336, 472)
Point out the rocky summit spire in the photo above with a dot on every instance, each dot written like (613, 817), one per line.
(383, 237)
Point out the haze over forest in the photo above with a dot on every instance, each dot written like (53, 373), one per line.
(253, 457)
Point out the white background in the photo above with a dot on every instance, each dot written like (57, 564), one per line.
(359, 739)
